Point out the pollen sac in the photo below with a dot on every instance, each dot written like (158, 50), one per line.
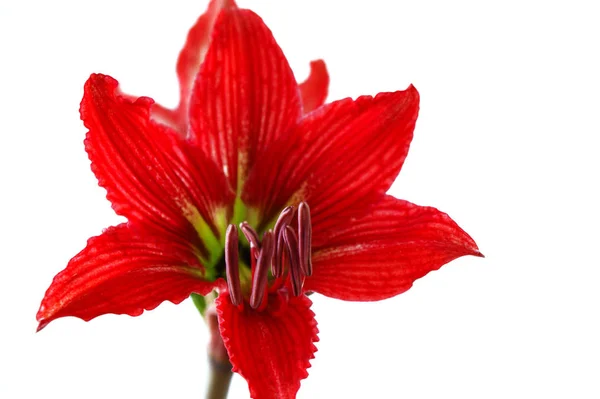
(250, 235)
(231, 265)
(291, 245)
(284, 219)
(304, 238)
(260, 275)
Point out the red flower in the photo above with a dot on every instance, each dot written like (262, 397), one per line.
(245, 143)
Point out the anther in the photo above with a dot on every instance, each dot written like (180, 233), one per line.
(284, 219)
(291, 245)
(250, 234)
(304, 238)
(231, 265)
(259, 279)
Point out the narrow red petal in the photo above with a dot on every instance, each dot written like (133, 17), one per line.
(188, 65)
(124, 270)
(342, 157)
(151, 175)
(271, 349)
(245, 96)
(196, 46)
(383, 253)
(315, 88)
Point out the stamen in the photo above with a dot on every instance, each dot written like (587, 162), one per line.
(259, 280)
(250, 235)
(284, 219)
(304, 238)
(231, 265)
(291, 244)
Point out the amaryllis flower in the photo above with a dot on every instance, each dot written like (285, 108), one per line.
(250, 151)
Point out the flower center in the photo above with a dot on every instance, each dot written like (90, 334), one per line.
(284, 251)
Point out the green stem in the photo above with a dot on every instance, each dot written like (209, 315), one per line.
(218, 360)
(219, 379)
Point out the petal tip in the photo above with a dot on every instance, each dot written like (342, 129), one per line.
(229, 4)
(413, 91)
(98, 79)
(42, 324)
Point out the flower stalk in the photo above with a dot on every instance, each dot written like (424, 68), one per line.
(220, 374)
(218, 381)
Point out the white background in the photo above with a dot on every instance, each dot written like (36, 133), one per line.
(506, 143)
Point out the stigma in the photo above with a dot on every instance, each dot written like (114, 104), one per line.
(284, 251)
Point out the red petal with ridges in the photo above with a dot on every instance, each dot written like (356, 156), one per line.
(383, 253)
(341, 158)
(245, 96)
(124, 270)
(315, 88)
(188, 65)
(151, 175)
(271, 349)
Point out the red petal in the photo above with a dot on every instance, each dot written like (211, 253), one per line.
(188, 65)
(124, 270)
(150, 174)
(271, 349)
(314, 89)
(383, 253)
(173, 118)
(245, 96)
(343, 157)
